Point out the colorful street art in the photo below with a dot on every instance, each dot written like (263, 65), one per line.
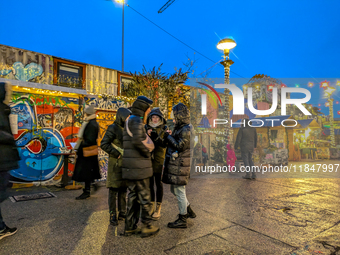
(45, 125)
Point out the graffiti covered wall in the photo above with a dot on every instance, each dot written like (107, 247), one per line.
(22, 65)
(45, 125)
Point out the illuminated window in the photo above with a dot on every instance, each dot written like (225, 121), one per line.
(69, 74)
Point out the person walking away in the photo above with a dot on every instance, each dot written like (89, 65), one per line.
(231, 157)
(137, 169)
(9, 154)
(112, 143)
(177, 163)
(247, 140)
(204, 155)
(87, 168)
(156, 128)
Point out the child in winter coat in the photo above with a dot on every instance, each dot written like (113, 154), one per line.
(231, 157)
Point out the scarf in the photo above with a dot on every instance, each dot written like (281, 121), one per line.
(155, 125)
(82, 129)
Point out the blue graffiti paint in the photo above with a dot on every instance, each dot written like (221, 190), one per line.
(37, 163)
(28, 72)
(24, 73)
(40, 164)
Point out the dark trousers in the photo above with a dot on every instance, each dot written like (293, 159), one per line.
(247, 157)
(87, 186)
(121, 192)
(4, 178)
(138, 198)
(156, 180)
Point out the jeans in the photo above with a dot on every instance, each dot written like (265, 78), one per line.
(179, 192)
(157, 193)
(247, 157)
(4, 178)
(121, 192)
(138, 198)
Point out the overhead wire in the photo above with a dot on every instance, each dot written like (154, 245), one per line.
(176, 37)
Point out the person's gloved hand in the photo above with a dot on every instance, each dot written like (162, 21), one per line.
(166, 134)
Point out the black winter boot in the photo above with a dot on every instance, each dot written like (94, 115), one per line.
(190, 213)
(181, 222)
(121, 216)
(86, 194)
(113, 219)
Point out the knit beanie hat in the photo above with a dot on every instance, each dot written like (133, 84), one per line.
(89, 110)
(142, 103)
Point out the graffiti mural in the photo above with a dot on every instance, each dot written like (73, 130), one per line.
(45, 126)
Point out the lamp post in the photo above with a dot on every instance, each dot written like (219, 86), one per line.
(122, 2)
(328, 93)
(226, 45)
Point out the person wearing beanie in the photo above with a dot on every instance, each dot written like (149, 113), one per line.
(112, 144)
(156, 128)
(8, 151)
(137, 169)
(87, 168)
(177, 163)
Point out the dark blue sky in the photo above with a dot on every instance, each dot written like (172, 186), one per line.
(279, 38)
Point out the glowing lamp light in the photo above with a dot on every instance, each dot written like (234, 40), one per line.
(329, 91)
(338, 112)
(319, 109)
(283, 85)
(310, 84)
(324, 84)
(257, 86)
(327, 104)
(338, 83)
(270, 87)
(297, 85)
(226, 44)
(337, 102)
(319, 104)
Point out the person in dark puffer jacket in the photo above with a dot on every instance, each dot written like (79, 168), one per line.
(156, 128)
(9, 155)
(177, 163)
(137, 169)
(114, 181)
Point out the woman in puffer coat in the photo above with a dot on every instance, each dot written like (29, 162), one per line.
(177, 163)
(112, 143)
(156, 128)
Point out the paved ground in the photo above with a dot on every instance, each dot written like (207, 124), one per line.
(234, 216)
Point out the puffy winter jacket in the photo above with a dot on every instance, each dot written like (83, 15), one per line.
(177, 170)
(114, 135)
(137, 163)
(157, 136)
(246, 137)
(9, 155)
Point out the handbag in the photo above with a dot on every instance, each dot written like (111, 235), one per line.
(90, 151)
(148, 143)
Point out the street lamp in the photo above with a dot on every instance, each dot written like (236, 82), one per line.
(226, 45)
(328, 93)
(122, 2)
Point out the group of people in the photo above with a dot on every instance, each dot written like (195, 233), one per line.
(143, 154)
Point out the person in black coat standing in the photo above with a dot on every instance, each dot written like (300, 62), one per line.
(247, 140)
(87, 168)
(137, 168)
(156, 128)
(177, 163)
(9, 155)
(112, 144)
